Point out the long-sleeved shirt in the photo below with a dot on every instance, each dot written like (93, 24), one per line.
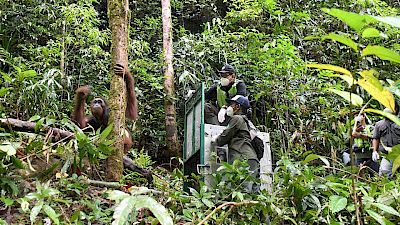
(237, 136)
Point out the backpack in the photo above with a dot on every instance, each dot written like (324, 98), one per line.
(258, 146)
(256, 142)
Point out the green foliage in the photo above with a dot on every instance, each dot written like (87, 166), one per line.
(48, 48)
(8, 161)
(2, 222)
(368, 81)
(309, 191)
(228, 188)
(354, 20)
(93, 147)
(128, 204)
(337, 203)
(42, 197)
(142, 159)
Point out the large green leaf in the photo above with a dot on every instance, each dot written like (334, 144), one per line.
(312, 157)
(382, 52)
(156, 208)
(394, 87)
(35, 211)
(371, 33)
(4, 91)
(373, 86)
(350, 80)
(391, 20)
(354, 99)
(27, 74)
(8, 148)
(371, 74)
(386, 208)
(385, 114)
(376, 216)
(337, 203)
(354, 20)
(123, 210)
(394, 153)
(117, 195)
(330, 67)
(106, 132)
(342, 39)
(129, 204)
(51, 213)
(396, 164)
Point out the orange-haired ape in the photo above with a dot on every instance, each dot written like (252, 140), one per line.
(99, 107)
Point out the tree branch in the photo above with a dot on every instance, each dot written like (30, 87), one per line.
(233, 204)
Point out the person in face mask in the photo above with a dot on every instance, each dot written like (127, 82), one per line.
(227, 87)
(237, 136)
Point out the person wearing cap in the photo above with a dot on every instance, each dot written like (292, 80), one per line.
(362, 135)
(237, 136)
(226, 88)
(386, 134)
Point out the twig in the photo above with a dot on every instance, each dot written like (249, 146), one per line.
(344, 171)
(228, 212)
(63, 212)
(233, 204)
(58, 142)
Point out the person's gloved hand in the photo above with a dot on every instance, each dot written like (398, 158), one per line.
(375, 156)
(346, 158)
(221, 114)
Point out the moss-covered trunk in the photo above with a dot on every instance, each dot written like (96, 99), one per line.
(169, 87)
(118, 20)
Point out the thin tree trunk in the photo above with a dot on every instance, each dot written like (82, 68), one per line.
(62, 57)
(169, 88)
(118, 19)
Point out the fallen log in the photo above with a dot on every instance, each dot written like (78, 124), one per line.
(26, 126)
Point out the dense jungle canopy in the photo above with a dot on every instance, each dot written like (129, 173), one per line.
(299, 59)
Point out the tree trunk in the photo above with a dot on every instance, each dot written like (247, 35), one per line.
(169, 88)
(62, 57)
(118, 19)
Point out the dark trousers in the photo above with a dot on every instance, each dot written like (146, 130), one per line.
(252, 187)
(211, 115)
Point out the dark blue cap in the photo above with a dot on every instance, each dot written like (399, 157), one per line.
(227, 69)
(241, 100)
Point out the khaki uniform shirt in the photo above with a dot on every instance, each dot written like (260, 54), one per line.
(237, 136)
